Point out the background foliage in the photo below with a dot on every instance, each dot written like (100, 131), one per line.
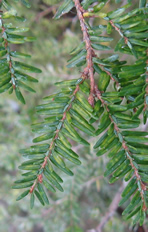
(87, 196)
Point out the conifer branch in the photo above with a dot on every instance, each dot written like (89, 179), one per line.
(52, 144)
(12, 76)
(141, 185)
(69, 109)
(9, 60)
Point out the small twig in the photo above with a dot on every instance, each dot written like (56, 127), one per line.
(146, 89)
(124, 2)
(89, 50)
(119, 31)
(91, 181)
(54, 204)
(44, 13)
(145, 228)
(107, 2)
(110, 212)
(108, 73)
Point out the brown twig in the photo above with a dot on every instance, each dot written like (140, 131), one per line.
(119, 31)
(110, 212)
(45, 12)
(46, 212)
(89, 50)
(107, 2)
(91, 181)
(125, 147)
(146, 89)
(109, 73)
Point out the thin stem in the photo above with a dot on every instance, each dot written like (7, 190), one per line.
(107, 2)
(89, 49)
(46, 212)
(45, 12)
(146, 90)
(109, 73)
(119, 31)
(111, 210)
(125, 147)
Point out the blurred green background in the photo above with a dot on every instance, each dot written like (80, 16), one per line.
(87, 195)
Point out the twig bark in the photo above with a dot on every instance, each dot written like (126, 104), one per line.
(46, 212)
(119, 31)
(91, 181)
(45, 12)
(110, 212)
(90, 52)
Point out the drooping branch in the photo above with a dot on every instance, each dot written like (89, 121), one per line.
(52, 144)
